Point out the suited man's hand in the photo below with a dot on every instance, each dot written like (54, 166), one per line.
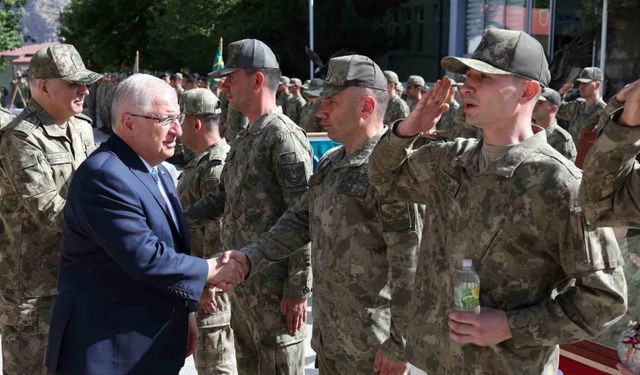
(228, 270)
(192, 335)
(208, 302)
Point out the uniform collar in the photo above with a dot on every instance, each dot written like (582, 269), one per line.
(263, 121)
(48, 123)
(195, 161)
(507, 164)
(361, 155)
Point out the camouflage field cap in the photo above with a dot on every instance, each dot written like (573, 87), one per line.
(353, 71)
(284, 80)
(248, 54)
(61, 61)
(550, 95)
(415, 81)
(504, 52)
(199, 102)
(391, 76)
(295, 82)
(315, 88)
(589, 74)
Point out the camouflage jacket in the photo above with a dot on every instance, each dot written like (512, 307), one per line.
(446, 122)
(611, 182)
(266, 171)
(396, 109)
(5, 117)
(293, 108)
(520, 224)
(309, 122)
(561, 140)
(38, 159)
(580, 117)
(199, 177)
(283, 99)
(364, 252)
(456, 125)
(235, 122)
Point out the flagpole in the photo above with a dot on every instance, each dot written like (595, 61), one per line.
(311, 37)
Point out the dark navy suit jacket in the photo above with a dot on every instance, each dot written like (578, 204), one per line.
(126, 281)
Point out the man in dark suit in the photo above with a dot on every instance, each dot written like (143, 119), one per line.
(127, 282)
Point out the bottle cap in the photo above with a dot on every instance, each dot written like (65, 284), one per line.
(467, 263)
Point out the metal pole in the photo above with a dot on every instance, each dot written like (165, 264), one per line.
(529, 19)
(453, 29)
(552, 25)
(603, 42)
(311, 37)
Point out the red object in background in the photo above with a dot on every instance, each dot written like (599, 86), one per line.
(571, 367)
(585, 353)
(587, 140)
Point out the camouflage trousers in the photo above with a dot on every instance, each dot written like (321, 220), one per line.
(253, 357)
(352, 366)
(215, 353)
(24, 327)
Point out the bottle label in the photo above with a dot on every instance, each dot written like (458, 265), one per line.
(467, 299)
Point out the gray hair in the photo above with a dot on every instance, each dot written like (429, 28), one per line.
(135, 93)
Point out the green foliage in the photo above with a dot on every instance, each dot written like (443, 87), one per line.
(11, 13)
(183, 35)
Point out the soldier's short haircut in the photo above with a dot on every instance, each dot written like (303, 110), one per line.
(271, 75)
(210, 120)
(382, 100)
(136, 94)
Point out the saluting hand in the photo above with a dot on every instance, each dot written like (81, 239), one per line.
(427, 111)
(630, 95)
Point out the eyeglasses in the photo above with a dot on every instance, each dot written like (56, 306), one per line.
(167, 121)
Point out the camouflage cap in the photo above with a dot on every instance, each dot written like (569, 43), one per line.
(199, 101)
(295, 82)
(416, 81)
(550, 95)
(315, 88)
(589, 74)
(353, 71)
(61, 61)
(504, 52)
(391, 76)
(248, 54)
(284, 80)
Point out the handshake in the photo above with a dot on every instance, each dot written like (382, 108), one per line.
(226, 271)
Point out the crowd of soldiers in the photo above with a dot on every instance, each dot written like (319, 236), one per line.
(385, 219)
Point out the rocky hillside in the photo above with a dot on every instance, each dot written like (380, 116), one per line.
(40, 22)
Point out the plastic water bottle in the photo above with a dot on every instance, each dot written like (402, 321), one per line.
(466, 288)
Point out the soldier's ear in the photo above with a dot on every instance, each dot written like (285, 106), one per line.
(368, 106)
(42, 85)
(531, 91)
(259, 81)
(197, 125)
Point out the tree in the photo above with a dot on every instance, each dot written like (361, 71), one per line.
(183, 35)
(11, 12)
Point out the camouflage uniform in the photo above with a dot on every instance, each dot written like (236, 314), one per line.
(446, 122)
(265, 172)
(580, 117)
(5, 117)
(236, 122)
(560, 140)
(522, 227)
(37, 161)
(283, 99)
(104, 97)
(364, 251)
(396, 109)
(215, 353)
(309, 120)
(456, 125)
(293, 108)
